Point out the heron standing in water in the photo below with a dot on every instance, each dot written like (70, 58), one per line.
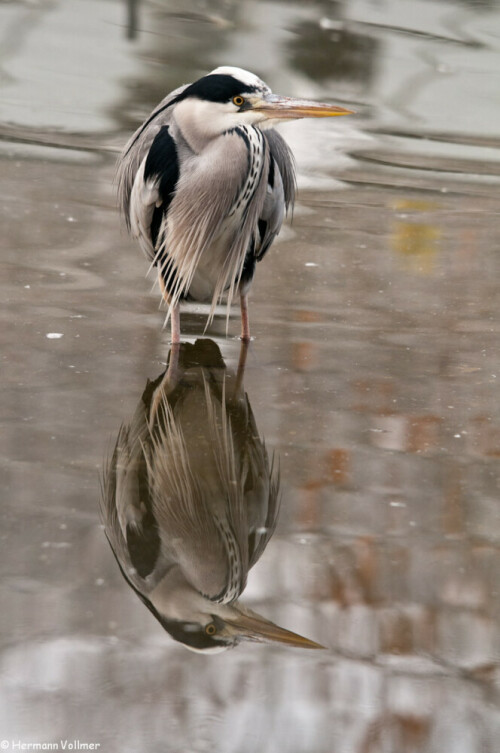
(204, 184)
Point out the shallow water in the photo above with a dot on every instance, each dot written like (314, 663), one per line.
(373, 376)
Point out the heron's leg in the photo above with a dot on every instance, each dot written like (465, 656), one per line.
(173, 363)
(175, 317)
(245, 323)
(169, 382)
(241, 365)
(175, 324)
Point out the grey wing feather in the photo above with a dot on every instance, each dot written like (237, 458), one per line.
(271, 217)
(137, 148)
(285, 161)
(192, 227)
(280, 194)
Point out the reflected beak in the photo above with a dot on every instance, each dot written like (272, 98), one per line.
(285, 108)
(252, 627)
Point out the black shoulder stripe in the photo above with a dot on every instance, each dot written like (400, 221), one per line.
(148, 121)
(162, 164)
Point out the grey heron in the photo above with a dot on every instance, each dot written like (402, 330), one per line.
(204, 184)
(190, 501)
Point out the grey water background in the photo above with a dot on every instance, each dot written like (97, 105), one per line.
(374, 375)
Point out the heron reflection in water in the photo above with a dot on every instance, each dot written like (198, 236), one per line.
(190, 501)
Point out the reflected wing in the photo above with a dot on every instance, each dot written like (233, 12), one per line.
(258, 479)
(126, 510)
(186, 497)
(259, 535)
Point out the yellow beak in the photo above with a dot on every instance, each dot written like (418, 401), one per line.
(284, 108)
(252, 627)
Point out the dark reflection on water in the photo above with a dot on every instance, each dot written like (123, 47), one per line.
(333, 51)
(132, 18)
(190, 501)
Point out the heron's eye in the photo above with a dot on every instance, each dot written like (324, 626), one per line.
(210, 629)
(238, 101)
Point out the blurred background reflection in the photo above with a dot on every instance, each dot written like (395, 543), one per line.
(373, 376)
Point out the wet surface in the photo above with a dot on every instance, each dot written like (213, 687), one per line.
(374, 377)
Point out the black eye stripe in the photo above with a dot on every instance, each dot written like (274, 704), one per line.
(216, 88)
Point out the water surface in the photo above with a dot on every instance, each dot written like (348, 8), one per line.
(374, 376)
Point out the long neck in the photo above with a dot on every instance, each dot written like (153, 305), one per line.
(176, 599)
(196, 124)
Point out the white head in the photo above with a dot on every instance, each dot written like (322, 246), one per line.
(228, 97)
(246, 77)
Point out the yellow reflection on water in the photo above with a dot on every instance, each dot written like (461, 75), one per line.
(415, 240)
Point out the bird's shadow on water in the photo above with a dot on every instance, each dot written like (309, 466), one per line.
(190, 500)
